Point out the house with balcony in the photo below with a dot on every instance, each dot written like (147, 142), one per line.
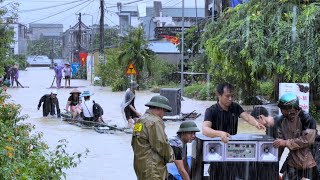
(74, 40)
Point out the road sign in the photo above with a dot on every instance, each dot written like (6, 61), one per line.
(131, 70)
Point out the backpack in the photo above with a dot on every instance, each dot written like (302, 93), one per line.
(97, 110)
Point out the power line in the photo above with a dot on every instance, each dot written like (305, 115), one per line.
(176, 4)
(169, 2)
(110, 20)
(59, 12)
(70, 15)
(49, 7)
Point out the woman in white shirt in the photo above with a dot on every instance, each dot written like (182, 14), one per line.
(87, 106)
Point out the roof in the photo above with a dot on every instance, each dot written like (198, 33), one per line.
(163, 47)
(83, 26)
(45, 25)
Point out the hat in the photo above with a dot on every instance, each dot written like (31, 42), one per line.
(86, 93)
(54, 92)
(159, 101)
(188, 126)
(288, 100)
(67, 63)
(133, 84)
(55, 64)
(75, 91)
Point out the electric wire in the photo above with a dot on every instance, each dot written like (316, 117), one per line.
(47, 17)
(49, 7)
(70, 15)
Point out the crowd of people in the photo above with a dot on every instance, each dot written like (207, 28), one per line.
(157, 157)
(86, 110)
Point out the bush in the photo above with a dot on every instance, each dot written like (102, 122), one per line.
(315, 112)
(162, 73)
(201, 91)
(21, 61)
(266, 88)
(25, 156)
(111, 73)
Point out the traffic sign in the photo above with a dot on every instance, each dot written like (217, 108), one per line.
(131, 70)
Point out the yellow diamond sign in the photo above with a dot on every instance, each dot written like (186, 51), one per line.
(131, 70)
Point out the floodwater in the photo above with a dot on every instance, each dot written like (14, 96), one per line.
(110, 155)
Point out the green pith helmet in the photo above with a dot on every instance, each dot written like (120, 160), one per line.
(288, 101)
(159, 101)
(188, 126)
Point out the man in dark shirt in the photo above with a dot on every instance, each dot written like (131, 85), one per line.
(221, 119)
(261, 114)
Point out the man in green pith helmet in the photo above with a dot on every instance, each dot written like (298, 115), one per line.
(297, 132)
(150, 145)
(180, 168)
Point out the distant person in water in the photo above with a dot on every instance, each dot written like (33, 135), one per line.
(58, 74)
(67, 74)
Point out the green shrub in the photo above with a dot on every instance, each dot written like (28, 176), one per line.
(162, 73)
(266, 88)
(26, 156)
(201, 91)
(21, 61)
(111, 72)
(315, 112)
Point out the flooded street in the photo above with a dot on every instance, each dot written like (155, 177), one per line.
(110, 155)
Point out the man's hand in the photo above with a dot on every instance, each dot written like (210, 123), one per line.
(38, 108)
(224, 136)
(279, 143)
(260, 126)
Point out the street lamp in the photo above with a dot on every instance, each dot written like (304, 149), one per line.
(91, 44)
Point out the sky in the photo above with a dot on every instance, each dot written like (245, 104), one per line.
(64, 11)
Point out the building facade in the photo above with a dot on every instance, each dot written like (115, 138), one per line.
(47, 31)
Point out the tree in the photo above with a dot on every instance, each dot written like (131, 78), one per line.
(265, 40)
(111, 38)
(135, 50)
(44, 46)
(6, 35)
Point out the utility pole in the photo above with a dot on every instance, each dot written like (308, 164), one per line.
(101, 37)
(182, 51)
(79, 35)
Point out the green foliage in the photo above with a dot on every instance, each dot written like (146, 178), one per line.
(21, 61)
(111, 36)
(259, 39)
(112, 73)
(49, 47)
(265, 88)
(134, 49)
(162, 73)
(315, 112)
(26, 156)
(201, 91)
